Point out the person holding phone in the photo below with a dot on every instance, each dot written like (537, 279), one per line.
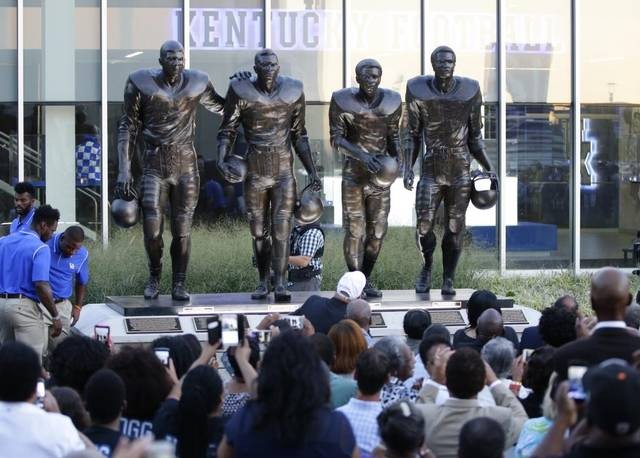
(69, 274)
(243, 364)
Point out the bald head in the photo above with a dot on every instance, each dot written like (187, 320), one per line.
(170, 46)
(489, 325)
(359, 311)
(610, 293)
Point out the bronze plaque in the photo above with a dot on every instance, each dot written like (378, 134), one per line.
(513, 316)
(377, 321)
(152, 325)
(447, 317)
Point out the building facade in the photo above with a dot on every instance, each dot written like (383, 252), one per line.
(559, 79)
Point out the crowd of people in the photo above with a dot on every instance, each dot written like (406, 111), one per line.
(570, 387)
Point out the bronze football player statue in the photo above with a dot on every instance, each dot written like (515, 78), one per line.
(364, 124)
(444, 112)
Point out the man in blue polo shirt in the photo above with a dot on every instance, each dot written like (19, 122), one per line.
(24, 281)
(69, 272)
(25, 199)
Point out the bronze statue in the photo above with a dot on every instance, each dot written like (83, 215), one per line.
(364, 124)
(162, 104)
(271, 109)
(444, 111)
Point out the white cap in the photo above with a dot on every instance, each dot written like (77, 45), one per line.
(351, 284)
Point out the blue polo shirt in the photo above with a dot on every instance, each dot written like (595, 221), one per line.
(66, 270)
(17, 224)
(24, 260)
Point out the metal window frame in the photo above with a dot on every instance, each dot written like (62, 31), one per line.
(20, 57)
(577, 133)
(186, 38)
(104, 120)
(501, 236)
(266, 23)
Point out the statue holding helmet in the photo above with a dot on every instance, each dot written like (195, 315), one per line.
(271, 109)
(444, 114)
(364, 126)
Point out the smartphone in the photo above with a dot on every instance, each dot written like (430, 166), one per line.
(526, 354)
(230, 330)
(576, 390)
(163, 355)
(102, 333)
(214, 330)
(40, 393)
(296, 322)
(261, 336)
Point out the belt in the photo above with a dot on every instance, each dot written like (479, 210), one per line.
(16, 296)
(58, 300)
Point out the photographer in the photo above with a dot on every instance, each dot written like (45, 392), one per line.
(305, 257)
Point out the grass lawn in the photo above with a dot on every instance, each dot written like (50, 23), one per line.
(221, 262)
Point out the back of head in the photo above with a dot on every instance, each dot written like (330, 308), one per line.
(349, 342)
(568, 302)
(402, 428)
(46, 214)
(104, 396)
(499, 353)
(193, 343)
(254, 358)
(75, 359)
(201, 395)
(74, 234)
(437, 329)
(359, 311)
(610, 293)
(350, 285)
(145, 379)
(465, 373)
(372, 371)
(292, 385)
(428, 342)
(481, 437)
(415, 323)
(180, 352)
(71, 405)
(538, 370)
(324, 348)
(490, 325)
(23, 365)
(480, 301)
(557, 326)
(392, 347)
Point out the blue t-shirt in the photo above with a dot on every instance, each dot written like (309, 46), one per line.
(22, 224)
(67, 270)
(330, 436)
(24, 260)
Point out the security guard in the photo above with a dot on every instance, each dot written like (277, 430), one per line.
(25, 199)
(24, 281)
(305, 257)
(69, 271)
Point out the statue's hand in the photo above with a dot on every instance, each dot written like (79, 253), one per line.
(229, 172)
(241, 75)
(408, 179)
(316, 183)
(373, 164)
(124, 186)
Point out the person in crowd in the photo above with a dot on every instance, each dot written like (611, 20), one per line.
(342, 388)
(612, 424)
(68, 275)
(359, 311)
(557, 326)
(401, 427)
(25, 201)
(531, 337)
(534, 429)
(632, 316)
(290, 416)
(27, 430)
(349, 343)
(24, 281)
(372, 372)
(419, 371)
(400, 369)
(181, 353)
(71, 405)
(480, 301)
(305, 257)
(500, 354)
(75, 360)
(325, 312)
(537, 372)
(465, 374)
(415, 323)
(105, 399)
(610, 338)
(147, 385)
(193, 343)
(481, 437)
(237, 391)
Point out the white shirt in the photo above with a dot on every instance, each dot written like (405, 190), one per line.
(28, 431)
(485, 398)
(362, 416)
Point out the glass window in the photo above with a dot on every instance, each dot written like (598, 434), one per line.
(308, 39)
(8, 109)
(61, 50)
(388, 33)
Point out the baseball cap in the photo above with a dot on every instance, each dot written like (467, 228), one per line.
(613, 394)
(351, 284)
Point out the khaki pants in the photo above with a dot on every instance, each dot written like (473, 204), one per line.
(22, 320)
(64, 310)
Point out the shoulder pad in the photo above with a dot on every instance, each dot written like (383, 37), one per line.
(418, 87)
(244, 89)
(468, 87)
(143, 80)
(391, 101)
(197, 79)
(291, 89)
(345, 99)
